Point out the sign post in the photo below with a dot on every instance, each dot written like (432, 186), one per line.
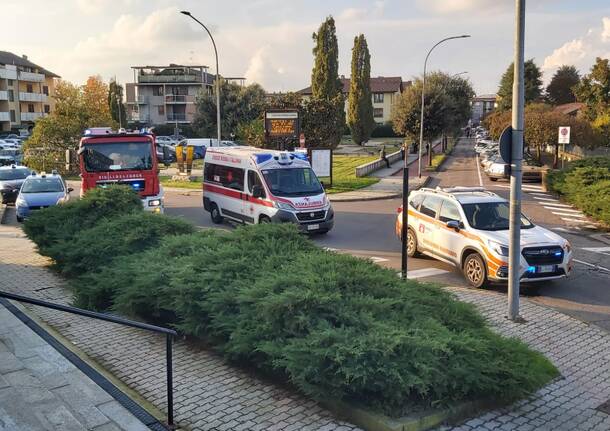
(321, 160)
(563, 138)
(282, 126)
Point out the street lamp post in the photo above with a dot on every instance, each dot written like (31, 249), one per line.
(423, 99)
(187, 13)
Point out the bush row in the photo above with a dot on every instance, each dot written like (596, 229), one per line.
(333, 325)
(586, 184)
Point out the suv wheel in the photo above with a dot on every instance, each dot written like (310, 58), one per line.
(215, 214)
(474, 270)
(411, 243)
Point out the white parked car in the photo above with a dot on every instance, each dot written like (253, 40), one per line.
(166, 140)
(468, 227)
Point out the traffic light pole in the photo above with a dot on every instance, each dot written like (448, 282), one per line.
(514, 245)
(405, 213)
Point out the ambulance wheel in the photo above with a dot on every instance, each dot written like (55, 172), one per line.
(215, 214)
(411, 243)
(264, 219)
(474, 270)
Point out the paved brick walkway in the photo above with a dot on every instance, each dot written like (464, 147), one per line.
(211, 395)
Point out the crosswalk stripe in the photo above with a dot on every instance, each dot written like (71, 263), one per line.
(551, 205)
(560, 229)
(569, 214)
(541, 194)
(573, 220)
(545, 199)
(425, 272)
(378, 259)
(602, 250)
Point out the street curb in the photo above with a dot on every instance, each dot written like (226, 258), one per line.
(371, 421)
(132, 401)
(378, 197)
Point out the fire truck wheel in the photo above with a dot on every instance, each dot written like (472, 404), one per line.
(264, 219)
(215, 214)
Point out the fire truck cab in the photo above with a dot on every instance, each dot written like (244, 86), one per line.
(109, 157)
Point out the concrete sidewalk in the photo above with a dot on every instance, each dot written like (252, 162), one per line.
(42, 390)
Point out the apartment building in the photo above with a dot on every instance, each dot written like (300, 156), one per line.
(482, 105)
(26, 91)
(167, 94)
(384, 93)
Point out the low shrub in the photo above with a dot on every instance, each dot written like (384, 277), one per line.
(114, 238)
(586, 184)
(59, 223)
(384, 131)
(334, 325)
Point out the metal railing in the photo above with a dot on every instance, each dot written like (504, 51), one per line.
(169, 336)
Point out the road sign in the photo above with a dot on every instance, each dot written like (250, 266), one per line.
(506, 145)
(564, 135)
(282, 123)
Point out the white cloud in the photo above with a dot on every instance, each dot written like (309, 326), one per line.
(263, 69)
(453, 6)
(581, 52)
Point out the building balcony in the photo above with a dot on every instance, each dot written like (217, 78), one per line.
(8, 73)
(180, 118)
(4, 95)
(167, 79)
(32, 97)
(5, 116)
(139, 116)
(31, 77)
(32, 116)
(179, 98)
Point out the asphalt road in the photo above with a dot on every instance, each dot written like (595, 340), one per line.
(366, 229)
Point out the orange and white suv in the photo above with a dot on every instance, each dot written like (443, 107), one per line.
(468, 227)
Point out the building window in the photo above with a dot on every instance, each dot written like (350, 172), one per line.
(30, 107)
(30, 89)
(161, 109)
(377, 97)
(158, 91)
(11, 96)
(13, 117)
(377, 112)
(47, 109)
(45, 90)
(10, 82)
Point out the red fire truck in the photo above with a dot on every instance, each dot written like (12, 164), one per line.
(107, 157)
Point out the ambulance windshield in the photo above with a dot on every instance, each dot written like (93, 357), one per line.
(292, 182)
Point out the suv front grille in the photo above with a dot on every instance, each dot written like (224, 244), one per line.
(311, 215)
(543, 255)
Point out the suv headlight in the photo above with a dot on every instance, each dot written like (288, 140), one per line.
(154, 203)
(498, 248)
(283, 205)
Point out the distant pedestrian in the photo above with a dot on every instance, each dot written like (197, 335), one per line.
(403, 151)
(382, 155)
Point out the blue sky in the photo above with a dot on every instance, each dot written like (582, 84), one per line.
(269, 41)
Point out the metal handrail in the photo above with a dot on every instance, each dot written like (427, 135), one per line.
(169, 334)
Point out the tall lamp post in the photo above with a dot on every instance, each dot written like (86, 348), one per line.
(187, 13)
(423, 99)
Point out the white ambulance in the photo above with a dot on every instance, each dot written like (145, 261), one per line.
(254, 185)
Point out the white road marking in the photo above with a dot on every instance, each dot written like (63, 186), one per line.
(558, 207)
(579, 215)
(541, 194)
(602, 250)
(545, 199)
(560, 229)
(378, 259)
(591, 226)
(591, 265)
(573, 220)
(425, 272)
(529, 189)
(329, 249)
(479, 171)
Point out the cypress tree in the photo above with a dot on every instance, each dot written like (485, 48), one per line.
(115, 103)
(360, 105)
(325, 82)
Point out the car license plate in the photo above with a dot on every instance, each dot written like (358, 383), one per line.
(545, 268)
(313, 226)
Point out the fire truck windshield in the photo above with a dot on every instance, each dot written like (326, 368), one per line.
(117, 156)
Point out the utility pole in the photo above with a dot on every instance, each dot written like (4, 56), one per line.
(514, 245)
(405, 212)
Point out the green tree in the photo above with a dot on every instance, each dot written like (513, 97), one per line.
(237, 105)
(360, 106)
(561, 88)
(594, 92)
(115, 103)
(321, 123)
(76, 109)
(533, 85)
(325, 82)
(447, 106)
